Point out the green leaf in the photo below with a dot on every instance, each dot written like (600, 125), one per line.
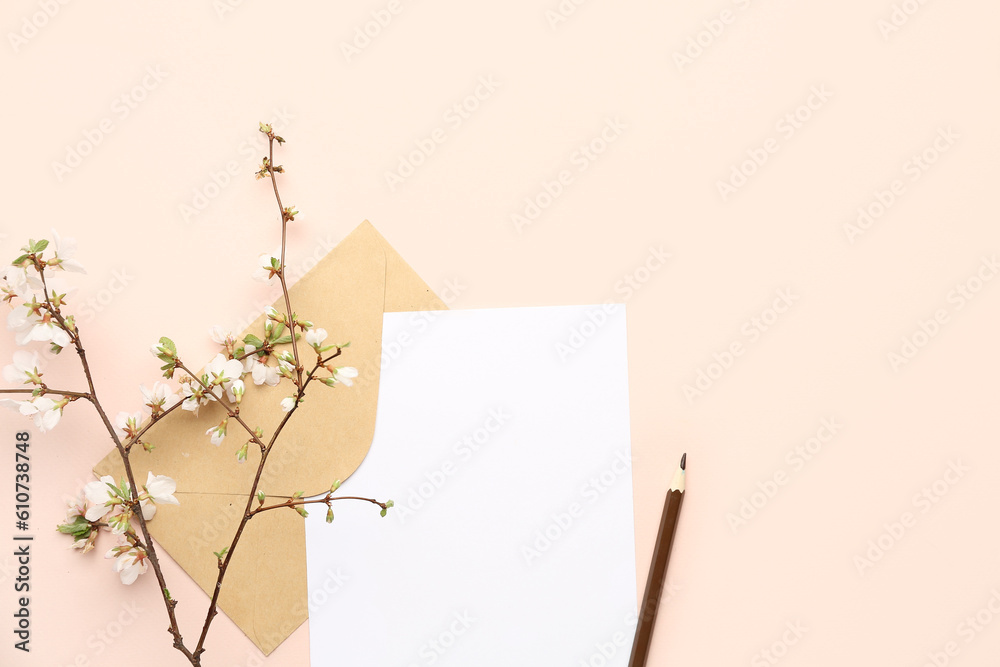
(168, 344)
(40, 246)
(383, 512)
(283, 340)
(221, 554)
(19, 260)
(250, 339)
(79, 528)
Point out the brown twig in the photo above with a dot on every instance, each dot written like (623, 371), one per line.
(301, 382)
(315, 501)
(174, 629)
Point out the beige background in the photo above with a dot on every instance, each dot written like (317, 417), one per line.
(156, 268)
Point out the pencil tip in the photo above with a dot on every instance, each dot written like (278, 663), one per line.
(684, 459)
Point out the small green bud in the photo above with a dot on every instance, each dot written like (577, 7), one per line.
(335, 486)
(329, 515)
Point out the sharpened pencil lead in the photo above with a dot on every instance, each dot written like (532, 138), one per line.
(684, 458)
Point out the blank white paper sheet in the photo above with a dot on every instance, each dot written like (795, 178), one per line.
(502, 436)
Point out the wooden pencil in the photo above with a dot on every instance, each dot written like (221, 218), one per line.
(658, 569)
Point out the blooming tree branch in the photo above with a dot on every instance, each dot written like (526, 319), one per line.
(125, 507)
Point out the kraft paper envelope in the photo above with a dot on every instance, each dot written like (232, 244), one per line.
(265, 590)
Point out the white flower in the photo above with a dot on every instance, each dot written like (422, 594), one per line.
(85, 544)
(315, 337)
(161, 397)
(288, 403)
(65, 249)
(22, 281)
(29, 326)
(218, 433)
(266, 268)
(235, 390)
(195, 396)
(345, 374)
(99, 496)
(259, 370)
(264, 374)
(222, 371)
(24, 369)
(12, 404)
(76, 507)
(286, 369)
(130, 562)
(128, 424)
(159, 490)
(45, 411)
(222, 336)
(120, 522)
